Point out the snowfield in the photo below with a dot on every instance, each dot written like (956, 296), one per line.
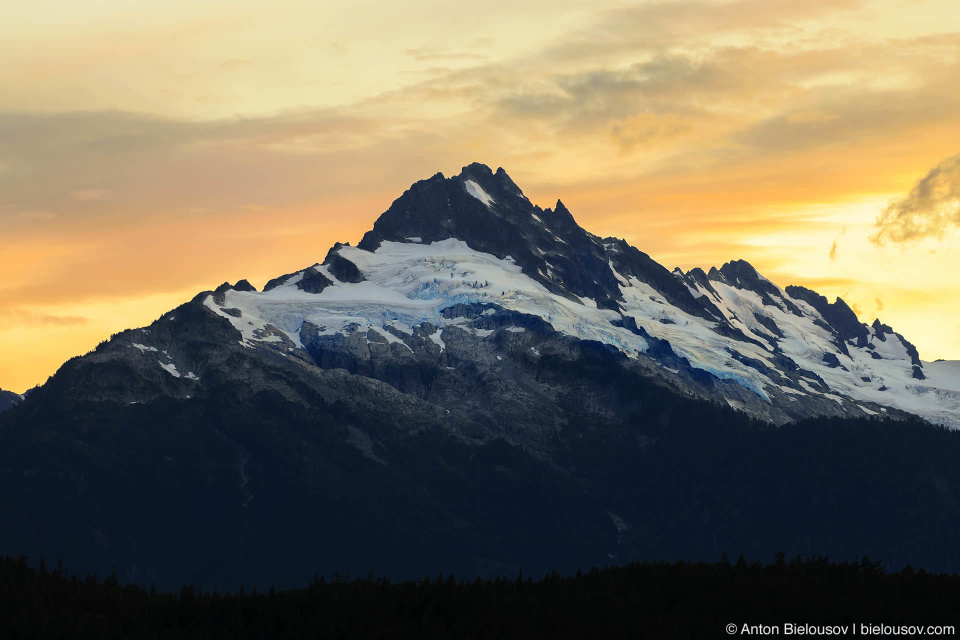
(408, 283)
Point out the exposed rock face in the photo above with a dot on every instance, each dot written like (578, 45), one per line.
(243, 285)
(838, 316)
(313, 281)
(741, 275)
(341, 268)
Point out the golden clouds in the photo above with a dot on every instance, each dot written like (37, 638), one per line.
(242, 143)
(28, 317)
(930, 210)
(645, 129)
(810, 117)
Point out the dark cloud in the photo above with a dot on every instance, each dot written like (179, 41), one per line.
(930, 210)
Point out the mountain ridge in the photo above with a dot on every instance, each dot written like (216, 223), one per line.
(709, 334)
(435, 402)
(488, 213)
(9, 399)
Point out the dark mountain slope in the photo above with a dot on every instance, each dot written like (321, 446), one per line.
(8, 400)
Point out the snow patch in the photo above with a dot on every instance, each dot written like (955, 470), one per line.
(435, 336)
(792, 391)
(835, 398)
(170, 368)
(392, 339)
(480, 333)
(477, 192)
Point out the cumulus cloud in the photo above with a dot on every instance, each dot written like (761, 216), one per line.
(930, 210)
(879, 304)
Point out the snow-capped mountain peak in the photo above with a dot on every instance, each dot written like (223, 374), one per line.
(449, 249)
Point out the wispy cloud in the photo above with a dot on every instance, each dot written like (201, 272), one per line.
(930, 210)
(235, 64)
(434, 54)
(27, 317)
(86, 195)
(836, 244)
(810, 117)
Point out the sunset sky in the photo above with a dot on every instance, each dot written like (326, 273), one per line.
(153, 149)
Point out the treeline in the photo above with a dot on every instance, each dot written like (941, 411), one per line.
(640, 600)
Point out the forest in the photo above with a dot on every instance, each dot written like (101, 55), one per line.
(639, 600)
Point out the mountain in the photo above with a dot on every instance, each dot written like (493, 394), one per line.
(9, 399)
(479, 385)
(729, 335)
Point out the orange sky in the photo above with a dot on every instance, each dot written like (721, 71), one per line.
(152, 150)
